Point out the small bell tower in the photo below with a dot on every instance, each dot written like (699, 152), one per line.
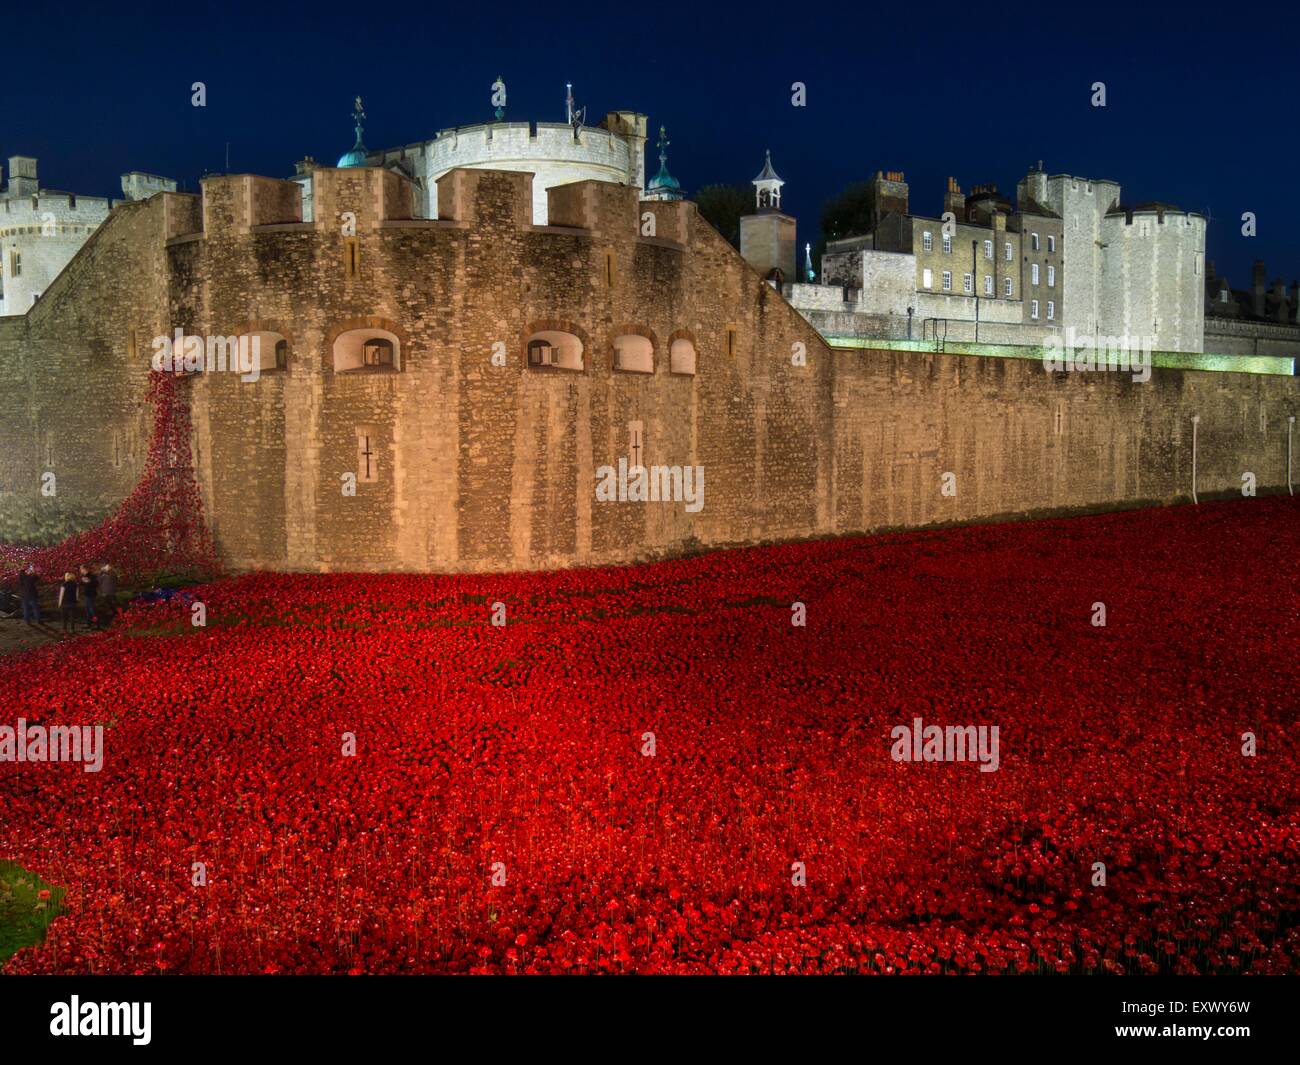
(767, 187)
(767, 237)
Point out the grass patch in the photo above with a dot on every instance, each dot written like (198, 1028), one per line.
(24, 914)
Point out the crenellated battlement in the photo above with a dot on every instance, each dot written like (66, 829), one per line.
(232, 204)
(52, 214)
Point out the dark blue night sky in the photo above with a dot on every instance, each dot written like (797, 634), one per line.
(1205, 118)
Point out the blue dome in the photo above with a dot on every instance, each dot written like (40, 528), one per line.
(664, 180)
(356, 157)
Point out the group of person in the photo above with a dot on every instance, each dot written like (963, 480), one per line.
(95, 591)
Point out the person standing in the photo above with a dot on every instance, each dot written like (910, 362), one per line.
(68, 602)
(107, 594)
(89, 593)
(27, 592)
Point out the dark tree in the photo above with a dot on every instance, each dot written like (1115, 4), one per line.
(722, 207)
(851, 213)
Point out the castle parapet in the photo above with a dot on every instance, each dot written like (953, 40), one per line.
(667, 220)
(595, 205)
(182, 214)
(237, 202)
(473, 196)
(372, 194)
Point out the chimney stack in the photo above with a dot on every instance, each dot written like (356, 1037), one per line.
(891, 193)
(954, 201)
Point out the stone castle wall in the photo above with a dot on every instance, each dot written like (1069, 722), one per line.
(493, 467)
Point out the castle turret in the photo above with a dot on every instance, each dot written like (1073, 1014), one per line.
(22, 177)
(1032, 188)
(767, 237)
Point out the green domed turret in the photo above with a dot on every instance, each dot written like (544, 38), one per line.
(357, 156)
(663, 186)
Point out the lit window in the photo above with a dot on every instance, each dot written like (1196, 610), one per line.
(927, 278)
(635, 353)
(681, 356)
(1051, 276)
(357, 349)
(1033, 274)
(377, 352)
(270, 351)
(552, 347)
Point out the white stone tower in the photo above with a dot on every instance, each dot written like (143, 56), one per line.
(41, 229)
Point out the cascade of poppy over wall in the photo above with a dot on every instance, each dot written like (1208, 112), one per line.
(160, 527)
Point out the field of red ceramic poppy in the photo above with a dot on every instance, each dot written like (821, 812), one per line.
(506, 811)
